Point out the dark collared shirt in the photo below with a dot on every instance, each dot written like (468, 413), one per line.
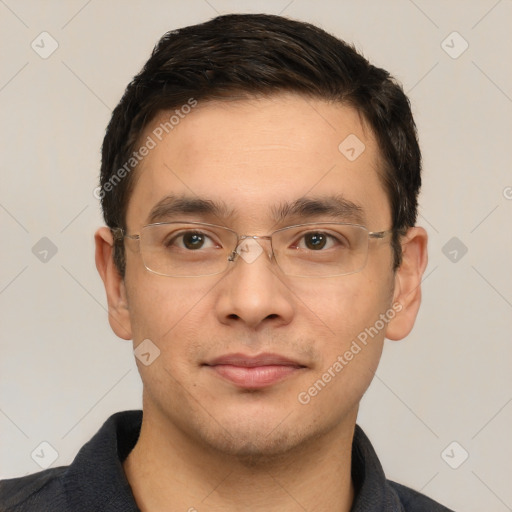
(95, 481)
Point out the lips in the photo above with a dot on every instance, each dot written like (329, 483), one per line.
(254, 372)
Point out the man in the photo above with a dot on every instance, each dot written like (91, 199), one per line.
(259, 182)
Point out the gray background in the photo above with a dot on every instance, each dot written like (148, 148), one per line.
(62, 370)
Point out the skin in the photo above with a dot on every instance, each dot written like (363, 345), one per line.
(206, 443)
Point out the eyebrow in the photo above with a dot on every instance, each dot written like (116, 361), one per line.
(335, 207)
(172, 205)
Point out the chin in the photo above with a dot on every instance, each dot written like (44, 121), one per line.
(256, 444)
(257, 450)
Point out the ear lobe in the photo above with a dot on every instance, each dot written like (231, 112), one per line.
(118, 311)
(407, 294)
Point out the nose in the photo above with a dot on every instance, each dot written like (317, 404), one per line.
(253, 292)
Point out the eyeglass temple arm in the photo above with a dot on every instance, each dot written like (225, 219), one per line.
(119, 234)
(379, 234)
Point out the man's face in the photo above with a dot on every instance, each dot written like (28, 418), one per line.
(254, 156)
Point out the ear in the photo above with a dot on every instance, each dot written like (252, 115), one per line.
(118, 312)
(407, 293)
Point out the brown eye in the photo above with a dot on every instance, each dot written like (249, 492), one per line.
(190, 240)
(315, 241)
(193, 240)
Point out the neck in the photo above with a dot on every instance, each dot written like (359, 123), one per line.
(168, 470)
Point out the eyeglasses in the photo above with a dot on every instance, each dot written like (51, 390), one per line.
(195, 249)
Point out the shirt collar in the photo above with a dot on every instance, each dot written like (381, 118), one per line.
(96, 479)
(372, 490)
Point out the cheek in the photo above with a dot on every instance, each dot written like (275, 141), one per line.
(349, 346)
(344, 306)
(351, 333)
(172, 314)
(164, 309)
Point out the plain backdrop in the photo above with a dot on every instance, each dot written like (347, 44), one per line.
(443, 392)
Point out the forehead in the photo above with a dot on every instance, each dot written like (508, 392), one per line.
(258, 155)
